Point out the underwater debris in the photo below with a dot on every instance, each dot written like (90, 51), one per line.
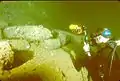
(42, 57)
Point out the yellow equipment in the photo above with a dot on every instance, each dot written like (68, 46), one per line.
(76, 29)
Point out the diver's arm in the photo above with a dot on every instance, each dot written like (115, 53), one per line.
(117, 42)
(86, 46)
(113, 43)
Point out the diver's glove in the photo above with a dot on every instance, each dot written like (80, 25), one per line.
(113, 43)
(86, 48)
(117, 42)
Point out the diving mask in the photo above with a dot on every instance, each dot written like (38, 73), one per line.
(104, 36)
(106, 33)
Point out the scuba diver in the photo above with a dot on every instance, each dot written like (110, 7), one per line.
(102, 37)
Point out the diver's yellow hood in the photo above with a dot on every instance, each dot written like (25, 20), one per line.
(72, 27)
(76, 29)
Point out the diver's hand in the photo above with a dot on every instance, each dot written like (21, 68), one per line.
(117, 42)
(86, 48)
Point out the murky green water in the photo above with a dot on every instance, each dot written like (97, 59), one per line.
(60, 14)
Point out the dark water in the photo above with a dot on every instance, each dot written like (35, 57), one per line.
(60, 14)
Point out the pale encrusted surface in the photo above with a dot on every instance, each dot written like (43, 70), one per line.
(19, 44)
(52, 44)
(6, 54)
(29, 32)
(51, 65)
(50, 61)
(84, 74)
